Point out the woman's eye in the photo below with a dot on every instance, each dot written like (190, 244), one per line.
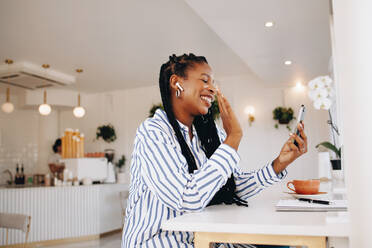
(205, 81)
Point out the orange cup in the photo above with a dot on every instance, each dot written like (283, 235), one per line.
(304, 187)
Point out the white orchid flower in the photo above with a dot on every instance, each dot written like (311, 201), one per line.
(331, 92)
(318, 94)
(322, 103)
(321, 92)
(316, 84)
(326, 80)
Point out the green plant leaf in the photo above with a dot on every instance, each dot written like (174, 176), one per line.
(154, 108)
(331, 147)
(283, 115)
(121, 161)
(214, 109)
(106, 132)
(289, 128)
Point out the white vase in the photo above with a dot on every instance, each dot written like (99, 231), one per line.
(324, 165)
(122, 178)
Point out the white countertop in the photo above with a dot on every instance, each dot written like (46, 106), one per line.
(259, 218)
(26, 186)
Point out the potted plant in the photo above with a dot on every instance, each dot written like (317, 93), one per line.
(283, 116)
(120, 163)
(336, 163)
(106, 132)
(322, 93)
(121, 177)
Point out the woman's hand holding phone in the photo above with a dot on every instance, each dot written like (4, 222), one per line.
(290, 151)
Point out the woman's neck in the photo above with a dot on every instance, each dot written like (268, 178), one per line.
(184, 118)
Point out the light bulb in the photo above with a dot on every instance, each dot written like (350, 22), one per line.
(287, 62)
(269, 24)
(299, 86)
(7, 107)
(45, 109)
(249, 110)
(79, 112)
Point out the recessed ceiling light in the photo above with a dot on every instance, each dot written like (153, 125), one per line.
(269, 24)
(288, 62)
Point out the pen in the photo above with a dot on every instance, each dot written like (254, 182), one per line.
(314, 201)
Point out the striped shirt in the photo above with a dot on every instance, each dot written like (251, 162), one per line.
(161, 187)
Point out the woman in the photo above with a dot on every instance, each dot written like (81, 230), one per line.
(182, 162)
(57, 151)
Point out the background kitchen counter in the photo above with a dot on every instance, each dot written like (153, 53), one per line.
(63, 212)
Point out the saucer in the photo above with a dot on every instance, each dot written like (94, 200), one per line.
(319, 195)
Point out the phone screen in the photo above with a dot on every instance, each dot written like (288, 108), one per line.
(300, 118)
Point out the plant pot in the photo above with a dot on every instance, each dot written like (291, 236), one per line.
(122, 178)
(336, 164)
(283, 121)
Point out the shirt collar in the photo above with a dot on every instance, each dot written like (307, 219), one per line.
(183, 127)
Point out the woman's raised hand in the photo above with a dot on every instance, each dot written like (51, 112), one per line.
(230, 122)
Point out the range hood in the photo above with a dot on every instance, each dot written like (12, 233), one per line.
(30, 76)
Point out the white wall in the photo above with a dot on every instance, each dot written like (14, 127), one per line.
(353, 61)
(262, 142)
(126, 109)
(26, 137)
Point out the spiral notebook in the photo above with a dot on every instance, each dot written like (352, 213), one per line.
(294, 205)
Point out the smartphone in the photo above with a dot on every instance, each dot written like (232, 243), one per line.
(300, 118)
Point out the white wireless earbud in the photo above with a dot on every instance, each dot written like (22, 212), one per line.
(179, 86)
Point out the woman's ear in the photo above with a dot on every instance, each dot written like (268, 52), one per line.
(173, 80)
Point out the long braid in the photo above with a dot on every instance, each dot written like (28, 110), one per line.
(204, 125)
(165, 96)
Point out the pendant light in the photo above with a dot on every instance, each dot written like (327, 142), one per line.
(7, 107)
(79, 111)
(45, 109)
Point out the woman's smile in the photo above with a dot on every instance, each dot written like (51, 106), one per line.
(208, 99)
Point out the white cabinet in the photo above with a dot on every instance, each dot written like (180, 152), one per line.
(93, 168)
(110, 217)
(63, 212)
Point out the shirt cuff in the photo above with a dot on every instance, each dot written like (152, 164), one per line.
(266, 176)
(279, 176)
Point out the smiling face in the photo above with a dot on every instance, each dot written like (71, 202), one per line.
(199, 90)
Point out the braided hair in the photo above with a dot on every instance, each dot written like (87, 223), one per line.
(204, 124)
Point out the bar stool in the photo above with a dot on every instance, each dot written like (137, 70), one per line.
(15, 221)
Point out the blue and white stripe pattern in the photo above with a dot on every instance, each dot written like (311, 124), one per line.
(162, 188)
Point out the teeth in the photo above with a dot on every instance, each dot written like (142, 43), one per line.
(206, 99)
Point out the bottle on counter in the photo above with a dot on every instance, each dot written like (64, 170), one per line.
(17, 175)
(47, 180)
(55, 179)
(22, 176)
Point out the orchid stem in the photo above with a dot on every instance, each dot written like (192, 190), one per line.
(334, 127)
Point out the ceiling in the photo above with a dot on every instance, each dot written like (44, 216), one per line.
(121, 44)
(301, 33)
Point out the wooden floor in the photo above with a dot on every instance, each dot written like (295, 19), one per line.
(106, 241)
